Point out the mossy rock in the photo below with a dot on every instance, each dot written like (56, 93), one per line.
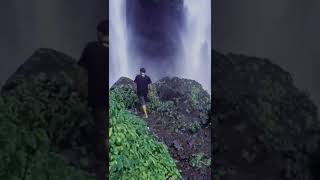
(281, 122)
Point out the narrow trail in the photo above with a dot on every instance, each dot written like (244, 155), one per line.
(182, 144)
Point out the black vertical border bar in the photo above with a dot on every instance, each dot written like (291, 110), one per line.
(211, 113)
(107, 109)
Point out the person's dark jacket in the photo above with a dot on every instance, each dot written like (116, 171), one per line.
(95, 58)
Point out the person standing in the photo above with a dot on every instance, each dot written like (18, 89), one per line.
(143, 84)
(94, 59)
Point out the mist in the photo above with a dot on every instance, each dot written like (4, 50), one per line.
(168, 38)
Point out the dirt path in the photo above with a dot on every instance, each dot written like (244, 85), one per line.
(182, 144)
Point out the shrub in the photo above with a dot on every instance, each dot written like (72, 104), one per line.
(35, 117)
(199, 160)
(155, 102)
(133, 152)
(158, 107)
(194, 127)
(126, 95)
(50, 105)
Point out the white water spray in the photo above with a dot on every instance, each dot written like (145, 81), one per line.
(196, 38)
(118, 37)
(195, 60)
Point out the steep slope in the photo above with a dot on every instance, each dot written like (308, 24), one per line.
(179, 117)
(134, 153)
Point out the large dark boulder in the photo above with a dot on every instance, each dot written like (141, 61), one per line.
(123, 82)
(47, 94)
(54, 65)
(187, 94)
(264, 127)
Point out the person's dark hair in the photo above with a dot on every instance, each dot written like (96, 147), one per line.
(143, 70)
(103, 27)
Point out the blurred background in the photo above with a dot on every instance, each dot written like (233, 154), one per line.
(65, 26)
(284, 31)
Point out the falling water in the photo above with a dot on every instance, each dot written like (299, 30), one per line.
(196, 46)
(118, 37)
(194, 61)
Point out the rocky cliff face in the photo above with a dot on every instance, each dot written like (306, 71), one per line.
(264, 127)
(54, 65)
(179, 110)
(46, 100)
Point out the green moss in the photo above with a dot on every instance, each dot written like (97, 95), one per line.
(194, 127)
(195, 99)
(158, 107)
(199, 161)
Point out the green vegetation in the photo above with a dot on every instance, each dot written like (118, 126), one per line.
(222, 173)
(199, 160)
(195, 93)
(36, 117)
(267, 116)
(195, 126)
(164, 109)
(133, 152)
(155, 102)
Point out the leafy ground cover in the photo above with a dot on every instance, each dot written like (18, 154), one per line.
(35, 118)
(185, 132)
(134, 153)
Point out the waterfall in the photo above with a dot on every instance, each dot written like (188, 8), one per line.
(195, 62)
(193, 59)
(118, 37)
